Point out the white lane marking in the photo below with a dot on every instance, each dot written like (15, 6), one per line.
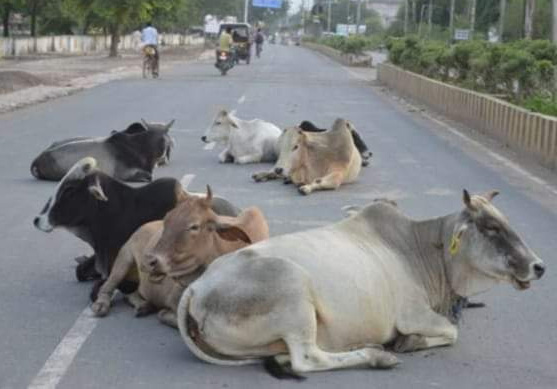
(209, 146)
(242, 99)
(503, 160)
(186, 180)
(63, 355)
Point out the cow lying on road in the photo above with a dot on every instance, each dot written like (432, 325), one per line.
(104, 212)
(128, 155)
(191, 237)
(308, 157)
(314, 299)
(245, 141)
(325, 160)
(358, 141)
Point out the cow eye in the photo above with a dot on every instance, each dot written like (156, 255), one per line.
(295, 148)
(492, 230)
(218, 123)
(194, 227)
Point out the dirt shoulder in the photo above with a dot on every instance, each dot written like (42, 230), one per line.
(27, 81)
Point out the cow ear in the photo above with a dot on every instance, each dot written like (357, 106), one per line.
(169, 124)
(233, 123)
(232, 233)
(97, 190)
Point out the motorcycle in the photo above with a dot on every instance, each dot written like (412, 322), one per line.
(225, 62)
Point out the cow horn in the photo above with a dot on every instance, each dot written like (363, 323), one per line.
(209, 197)
(97, 190)
(145, 124)
(491, 195)
(170, 124)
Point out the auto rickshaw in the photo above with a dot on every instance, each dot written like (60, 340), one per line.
(241, 35)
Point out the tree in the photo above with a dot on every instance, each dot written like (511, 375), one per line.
(529, 9)
(7, 7)
(33, 7)
(554, 20)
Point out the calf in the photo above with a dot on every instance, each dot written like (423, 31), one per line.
(129, 155)
(104, 212)
(245, 141)
(190, 237)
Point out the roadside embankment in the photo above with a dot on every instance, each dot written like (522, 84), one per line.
(27, 81)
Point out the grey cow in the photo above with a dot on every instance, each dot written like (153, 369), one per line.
(321, 299)
(128, 155)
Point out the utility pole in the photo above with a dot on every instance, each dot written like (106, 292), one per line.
(472, 19)
(406, 11)
(554, 24)
(329, 15)
(429, 17)
(529, 18)
(246, 8)
(451, 21)
(502, 11)
(358, 15)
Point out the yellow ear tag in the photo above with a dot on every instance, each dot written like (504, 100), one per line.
(455, 245)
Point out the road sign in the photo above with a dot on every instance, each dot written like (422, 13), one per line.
(267, 3)
(461, 35)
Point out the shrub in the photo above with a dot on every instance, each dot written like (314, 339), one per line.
(519, 69)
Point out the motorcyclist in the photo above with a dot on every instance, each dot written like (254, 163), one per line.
(259, 39)
(150, 38)
(226, 41)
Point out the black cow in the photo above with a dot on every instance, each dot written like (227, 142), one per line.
(128, 155)
(104, 213)
(358, 141)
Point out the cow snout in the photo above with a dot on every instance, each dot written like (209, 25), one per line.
(36, 222)
(204, 138)
(539, 269)
(279, 170)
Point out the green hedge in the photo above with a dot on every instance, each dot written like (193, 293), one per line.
(522, 72)
(354, 44)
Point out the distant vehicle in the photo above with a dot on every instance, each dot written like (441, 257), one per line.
(241, 33)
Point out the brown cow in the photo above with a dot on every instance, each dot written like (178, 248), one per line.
(325, 160)
(191, 236)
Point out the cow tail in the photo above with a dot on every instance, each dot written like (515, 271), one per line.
(189, 330)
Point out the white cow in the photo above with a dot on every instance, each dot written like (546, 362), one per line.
(245, 141)
(320, 299)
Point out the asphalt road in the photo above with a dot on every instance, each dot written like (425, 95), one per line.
(512, 343)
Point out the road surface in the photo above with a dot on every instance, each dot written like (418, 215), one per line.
(47, 336)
